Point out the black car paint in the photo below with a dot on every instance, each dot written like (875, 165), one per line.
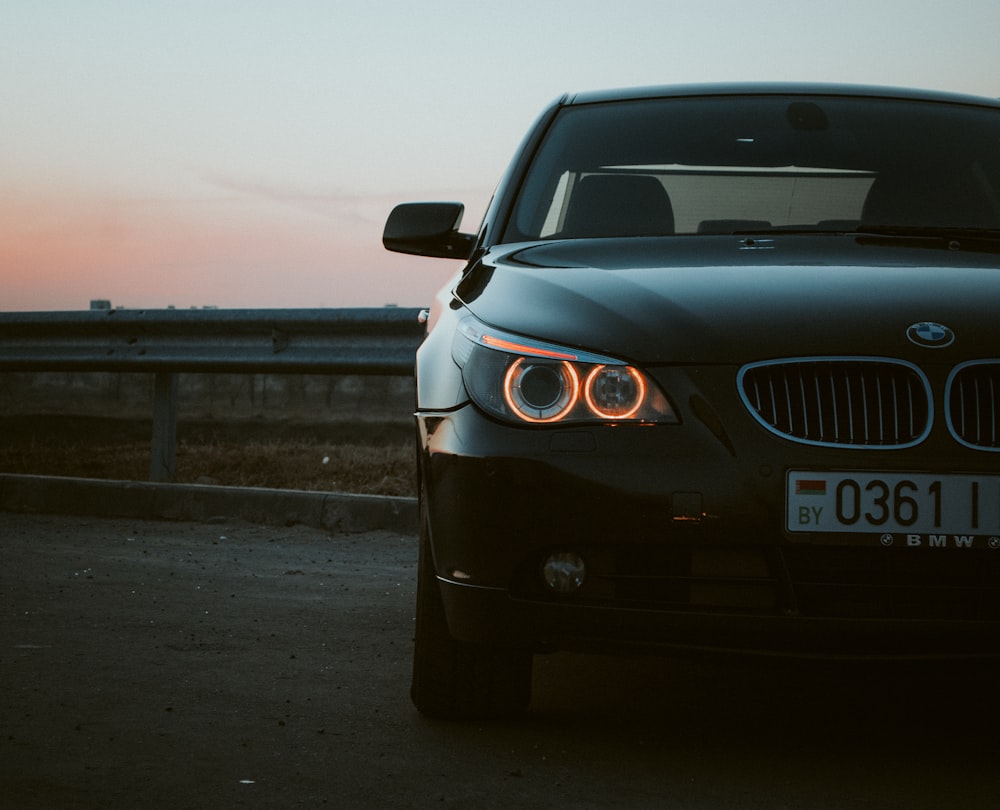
(690, 311)
(711, 299)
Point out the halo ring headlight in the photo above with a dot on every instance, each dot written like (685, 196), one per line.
(532, 382)
(541, 391)
(614, 392)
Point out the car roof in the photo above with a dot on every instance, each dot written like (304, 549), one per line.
(774, 88)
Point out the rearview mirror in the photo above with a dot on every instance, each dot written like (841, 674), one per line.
(428, 229)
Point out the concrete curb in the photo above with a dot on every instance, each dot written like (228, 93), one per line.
(334, 511)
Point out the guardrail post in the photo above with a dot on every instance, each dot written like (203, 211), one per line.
(369, 341)
(165, 404)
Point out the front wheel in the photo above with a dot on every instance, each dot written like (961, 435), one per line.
(460, 680)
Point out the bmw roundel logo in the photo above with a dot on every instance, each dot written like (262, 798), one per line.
(930, 335)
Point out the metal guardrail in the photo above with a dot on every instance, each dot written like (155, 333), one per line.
(328, 341)
(363, 341)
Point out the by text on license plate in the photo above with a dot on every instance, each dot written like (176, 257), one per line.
(936, 509)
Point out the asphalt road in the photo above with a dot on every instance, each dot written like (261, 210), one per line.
(175, 665)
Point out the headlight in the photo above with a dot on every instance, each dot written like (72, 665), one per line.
(529, 381)
(540, 391)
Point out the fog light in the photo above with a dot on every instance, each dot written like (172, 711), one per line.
(564, 572)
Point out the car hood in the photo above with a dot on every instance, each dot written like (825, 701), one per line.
(734, 299)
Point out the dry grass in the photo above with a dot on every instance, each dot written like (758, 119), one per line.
(366, 469)
(373, 460)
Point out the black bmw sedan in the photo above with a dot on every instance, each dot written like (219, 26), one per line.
(720, 371)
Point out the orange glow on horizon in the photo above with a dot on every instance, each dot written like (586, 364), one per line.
(58, 252)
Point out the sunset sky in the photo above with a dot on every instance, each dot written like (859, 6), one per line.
(246, 154)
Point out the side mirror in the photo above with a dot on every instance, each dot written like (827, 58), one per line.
(428, 229)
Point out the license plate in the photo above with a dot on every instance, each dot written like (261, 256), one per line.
(936, 509)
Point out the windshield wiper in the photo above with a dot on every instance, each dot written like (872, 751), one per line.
(935, 237)
(952, 238)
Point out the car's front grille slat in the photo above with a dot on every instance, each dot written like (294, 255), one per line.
(974, 404)
(839, 402)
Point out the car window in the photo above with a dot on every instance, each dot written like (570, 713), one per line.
(747, 164)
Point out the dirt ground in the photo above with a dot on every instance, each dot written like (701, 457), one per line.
(179, 665)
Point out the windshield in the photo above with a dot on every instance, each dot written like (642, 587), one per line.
(746, 164)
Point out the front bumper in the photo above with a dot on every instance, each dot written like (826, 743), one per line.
(683, 539)
(492, 615)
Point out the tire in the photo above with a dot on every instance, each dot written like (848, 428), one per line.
(459, 680)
